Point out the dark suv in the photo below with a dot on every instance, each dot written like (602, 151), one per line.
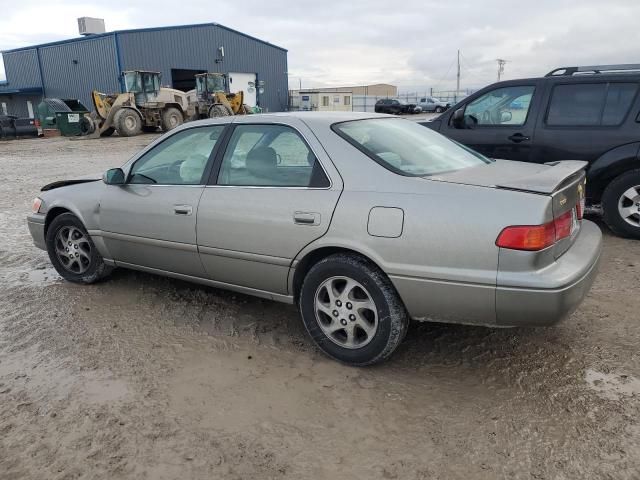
(573, 113)
(395, 107)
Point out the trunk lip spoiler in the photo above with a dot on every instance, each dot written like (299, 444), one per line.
(547, 181)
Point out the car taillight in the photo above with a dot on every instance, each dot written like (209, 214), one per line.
(536, 237)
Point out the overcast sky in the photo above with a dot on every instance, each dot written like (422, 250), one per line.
(412, 43)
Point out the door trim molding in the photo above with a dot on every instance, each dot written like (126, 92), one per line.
(152, 242)
(252, 257)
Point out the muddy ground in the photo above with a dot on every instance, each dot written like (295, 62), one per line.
(143, 377)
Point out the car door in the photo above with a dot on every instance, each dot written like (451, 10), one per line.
(499, 123)
(273, 192)
(584, 118)
(150, 221)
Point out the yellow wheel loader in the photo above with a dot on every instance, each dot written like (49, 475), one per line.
(144, 106)
(211, 99)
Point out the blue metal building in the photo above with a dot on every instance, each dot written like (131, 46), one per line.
(72, 68)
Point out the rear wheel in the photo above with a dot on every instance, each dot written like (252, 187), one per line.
(171, 118)
(72, 251)
(439, 109)
(621, 204)
(218, 111)
(127, 122)
(352, 311)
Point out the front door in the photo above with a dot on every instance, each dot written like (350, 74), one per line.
(273, 194)
(499, 123)
(151, 220)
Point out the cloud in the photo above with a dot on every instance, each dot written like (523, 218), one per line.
(412, 44)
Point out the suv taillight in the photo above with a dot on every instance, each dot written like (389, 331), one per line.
(537, 237)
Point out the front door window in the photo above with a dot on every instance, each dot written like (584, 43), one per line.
(502, 106)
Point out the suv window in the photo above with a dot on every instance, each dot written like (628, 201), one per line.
(179, 160)
(590, 104)
(502, 106)
(270, 155)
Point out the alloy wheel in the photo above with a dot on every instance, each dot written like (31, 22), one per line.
(346, 312)
(629, 206)
(73, 249)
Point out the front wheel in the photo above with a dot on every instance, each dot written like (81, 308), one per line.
(621, 204)
(171, 118)
(72, 251)
(352, 311)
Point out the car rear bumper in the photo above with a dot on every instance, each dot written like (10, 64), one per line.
(35, 222)
(525, 296)
(546, 296)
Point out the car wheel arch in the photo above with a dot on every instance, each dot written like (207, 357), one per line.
(610, 165)
(52, 213)
(311, 257)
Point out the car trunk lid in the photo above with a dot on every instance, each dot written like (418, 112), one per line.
(563, 181)
(543, 179)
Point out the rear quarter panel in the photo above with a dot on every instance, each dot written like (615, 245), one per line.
(444, 265)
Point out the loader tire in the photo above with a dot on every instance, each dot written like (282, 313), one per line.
(87, 126)
(218, 111)
(171, 118)
(127, 122)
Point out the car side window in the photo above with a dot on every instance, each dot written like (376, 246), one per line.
(270, 156)
(590, 104)
(179, 160)
(502, 106)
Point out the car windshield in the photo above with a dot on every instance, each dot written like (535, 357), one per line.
(408, 148)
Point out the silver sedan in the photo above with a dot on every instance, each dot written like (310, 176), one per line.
(363, 221)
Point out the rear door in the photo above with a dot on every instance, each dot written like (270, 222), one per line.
(501, 121)
(584, 118)
(272, 192)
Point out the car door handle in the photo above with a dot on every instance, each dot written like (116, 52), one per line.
(306, 218)
(518, 137)
(182, 209)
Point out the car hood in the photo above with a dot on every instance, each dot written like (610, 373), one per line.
(528, 177)
(64, 183)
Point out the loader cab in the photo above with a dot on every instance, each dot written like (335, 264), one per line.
(144, 85)
(210, 83)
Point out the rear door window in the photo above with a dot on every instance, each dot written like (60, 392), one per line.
(590, 104)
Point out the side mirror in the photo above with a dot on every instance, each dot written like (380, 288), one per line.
(113, 176)
(505, 117)
(458, 118)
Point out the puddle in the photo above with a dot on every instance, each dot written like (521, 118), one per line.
(612, 386)
(39, 277)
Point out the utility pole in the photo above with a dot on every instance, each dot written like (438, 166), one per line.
(458, 76)
(501, 63)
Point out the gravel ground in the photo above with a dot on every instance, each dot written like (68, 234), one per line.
(143, 377)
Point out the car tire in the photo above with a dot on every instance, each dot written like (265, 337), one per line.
(127, 122)
(171, 118)
(439, 109)
(621, 204)
(67, 236)
(355, 336)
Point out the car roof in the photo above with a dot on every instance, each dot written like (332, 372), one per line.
(327, 118)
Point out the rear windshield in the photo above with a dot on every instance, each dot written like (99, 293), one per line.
(406, 147)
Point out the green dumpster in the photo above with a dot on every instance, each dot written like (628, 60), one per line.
(63, 114)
